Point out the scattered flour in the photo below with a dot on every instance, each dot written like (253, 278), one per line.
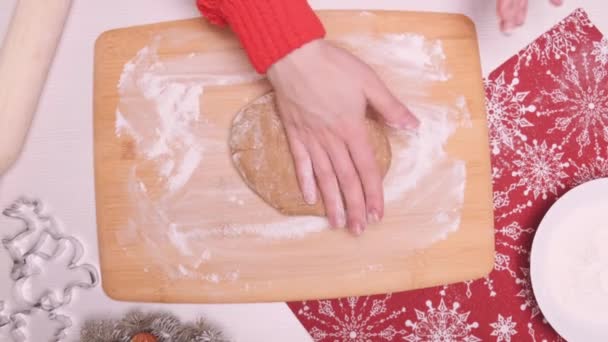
(213, 277)
(409, 55)
(182, 269)
(122, 126)
(170, 92)
(179, 240)
(577, 274)
(160, 110)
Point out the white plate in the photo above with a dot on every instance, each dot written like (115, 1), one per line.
(575, 202)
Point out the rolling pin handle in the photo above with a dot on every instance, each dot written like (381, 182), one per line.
(25, 59)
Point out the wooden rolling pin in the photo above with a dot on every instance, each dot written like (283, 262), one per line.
(25, 59)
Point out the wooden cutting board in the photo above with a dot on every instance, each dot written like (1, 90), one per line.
(324, 264)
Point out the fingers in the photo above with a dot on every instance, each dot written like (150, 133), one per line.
(349, 182)
(328, 184)
(394, 113)
(303, 166)
(522, 13)
(369, 172)
(512, 13)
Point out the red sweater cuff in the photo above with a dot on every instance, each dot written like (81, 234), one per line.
(271, 29)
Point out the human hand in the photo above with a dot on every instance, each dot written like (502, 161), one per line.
(322, 93)
(512, 13)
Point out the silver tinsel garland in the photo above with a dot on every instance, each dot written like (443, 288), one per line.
(165, 327)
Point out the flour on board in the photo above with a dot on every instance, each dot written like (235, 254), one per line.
(160, 109)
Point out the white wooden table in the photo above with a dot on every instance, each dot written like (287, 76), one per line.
(57, 163)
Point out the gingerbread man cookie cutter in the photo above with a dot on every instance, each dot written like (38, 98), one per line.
(60, 276)
(37, 228)
(45, 272)
(38, 325)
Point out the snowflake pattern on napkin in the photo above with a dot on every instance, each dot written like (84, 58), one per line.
(547, 112)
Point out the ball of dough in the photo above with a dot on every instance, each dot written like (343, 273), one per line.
(260, 151)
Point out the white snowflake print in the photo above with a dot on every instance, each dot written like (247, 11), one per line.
(579, 103)
(353, 319)
(489, 283)
(526, 293)
(600, 51)
(504, 328)
(541, 169)
(501, 199)
(442, 325)
(514, 231)
(589, 171)
(558, 42)
(496, 173)
(468, 292)
(532, 335)
(501, 263)
(516, 248)
(516, 209)
(506, 110)
(531, 332)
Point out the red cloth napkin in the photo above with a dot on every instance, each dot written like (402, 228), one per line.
(548, 115)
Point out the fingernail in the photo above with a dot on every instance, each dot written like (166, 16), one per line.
(309, 186)
(340, 213)
(373, 217)
(405, 124)
(341, 219)
(414, 122)
(508, 27)
(357, 229)
(393, 125)
(310, 195)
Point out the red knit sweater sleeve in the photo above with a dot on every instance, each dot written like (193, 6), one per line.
(267, 29)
